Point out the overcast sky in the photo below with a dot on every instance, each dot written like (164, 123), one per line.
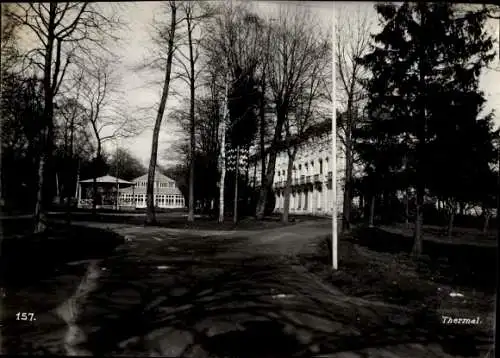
(140, 94)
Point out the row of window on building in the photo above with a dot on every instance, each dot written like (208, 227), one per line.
(169, 200)
(306, 166)
(308, 201)
(156, 184)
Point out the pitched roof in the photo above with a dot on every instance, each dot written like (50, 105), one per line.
(158, 177)
(107, 179)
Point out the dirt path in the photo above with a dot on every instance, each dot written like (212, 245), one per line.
(191, 294)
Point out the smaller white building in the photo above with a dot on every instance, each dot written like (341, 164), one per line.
(166, 193)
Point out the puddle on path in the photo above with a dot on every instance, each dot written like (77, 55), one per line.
(55, 325)
(71, 310)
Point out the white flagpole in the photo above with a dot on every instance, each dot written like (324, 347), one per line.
(334, 155)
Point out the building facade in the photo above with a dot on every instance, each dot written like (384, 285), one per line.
(312, 191)
(166, 193)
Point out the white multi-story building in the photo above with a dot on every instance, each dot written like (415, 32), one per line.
(312, 192)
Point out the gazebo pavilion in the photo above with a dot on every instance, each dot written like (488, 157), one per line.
(108, 187)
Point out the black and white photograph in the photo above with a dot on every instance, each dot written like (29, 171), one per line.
(215, 179)
(165, 168)
(417, 100)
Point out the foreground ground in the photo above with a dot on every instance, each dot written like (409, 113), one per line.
(245, 293)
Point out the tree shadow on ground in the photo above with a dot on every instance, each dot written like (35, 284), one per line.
(41, 271)
(226, 307)
(180, 222)
(471, 266)
(27, 258)
(374, 274)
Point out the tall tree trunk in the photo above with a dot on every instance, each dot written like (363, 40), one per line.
(39, 215)
(247, 168)
(150, 213)
(417, 244)
(407, 207)
(255, 174)
(346, 207)
(95, 194)
(236, 174)
(288, 186)
(223, 155)
(419, 215)
(117, 198)
(451, 217)
(2, 202)
(192, 126)
(420, 150)
(268, 178)
(347, 200)
(77, 178)
(40, 218)
(59, 188)
(371, 215)
(57, 185)
(70, 165)
(262, 129)
(68, 193)
(362, 205)
(461, 208)
(486, 224)
(386, 204)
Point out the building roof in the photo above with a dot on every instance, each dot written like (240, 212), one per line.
(107, 179)
(159, 177)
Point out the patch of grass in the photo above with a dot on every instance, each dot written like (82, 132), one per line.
(212, 224)
(179, 222)
(26, 256)
(422, 284)
(471, 234)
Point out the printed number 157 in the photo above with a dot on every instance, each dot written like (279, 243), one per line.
(25, 316)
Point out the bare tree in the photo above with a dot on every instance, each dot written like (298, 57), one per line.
(165, 40)
(222, 133)
(193, 13)
(352, 35)
(302, 123)
(234, 50)
(76, 139)
(60, 31)
(99, 89)
(294, 37)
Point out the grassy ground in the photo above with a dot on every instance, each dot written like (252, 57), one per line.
(123, 209)
(27, 256)
(438, 232)
(377, 266)
(178, 221)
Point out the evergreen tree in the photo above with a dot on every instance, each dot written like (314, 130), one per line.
(425, 64)
(243, 103)
(244, 99)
